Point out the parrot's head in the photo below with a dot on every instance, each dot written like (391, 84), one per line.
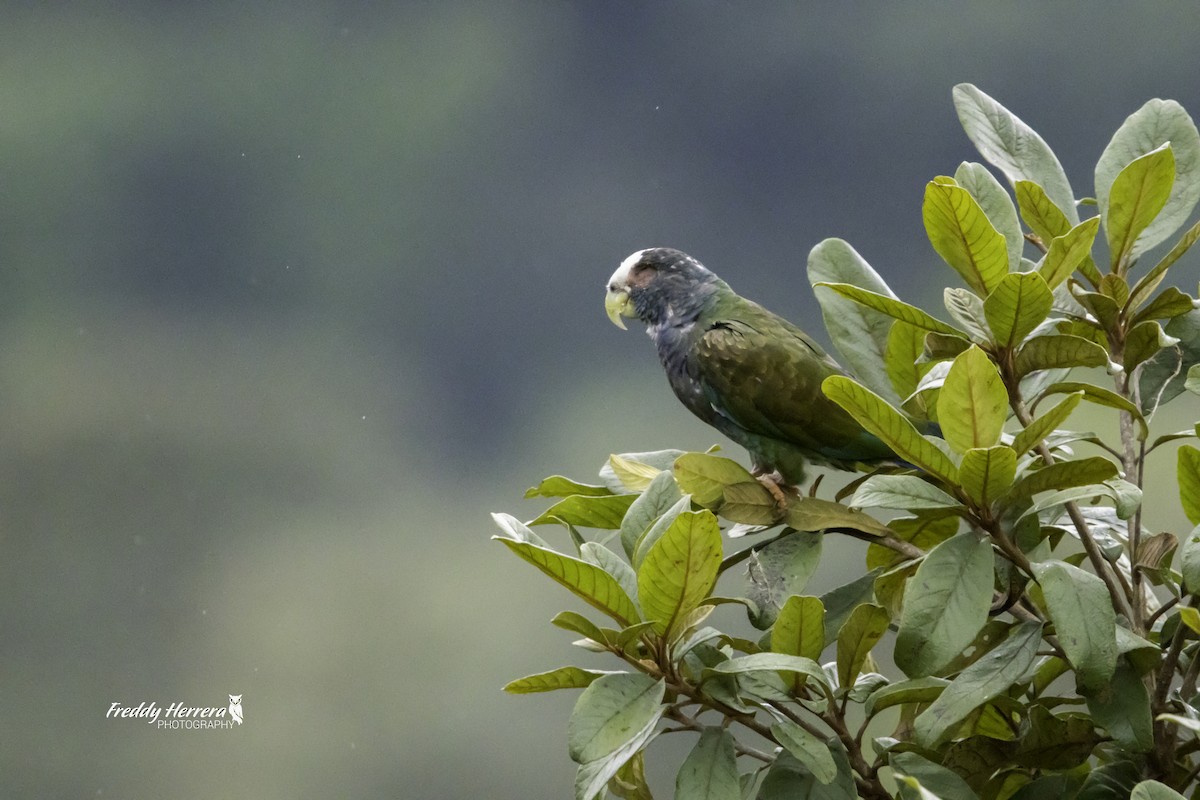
(658, 285)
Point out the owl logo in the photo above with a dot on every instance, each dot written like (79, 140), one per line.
(235, 708)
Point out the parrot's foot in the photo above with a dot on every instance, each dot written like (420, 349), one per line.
(782, 492)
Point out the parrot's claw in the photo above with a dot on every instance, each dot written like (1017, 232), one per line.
(779, 490)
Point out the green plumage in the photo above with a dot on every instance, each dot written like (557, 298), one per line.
(744, 370)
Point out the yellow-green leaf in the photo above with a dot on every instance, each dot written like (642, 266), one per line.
(680, 570)
(1104, 397)
(986, 473)
(800, 628)
(1149, 282)
(905, 344)
(858, 634)
(561, 678)
(894, 308)
(1018, 305)
(964, 237)
(634, 475)
(1057, 351)
(1189, 483)
(1139, 192)
(1044, 425)
(1064, 475)
(973, 402)
(1068, 251)
(816, 514)
(896, 430)
(705, 476)
(593, 585)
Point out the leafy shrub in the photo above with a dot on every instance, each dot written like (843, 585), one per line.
(1046, 639)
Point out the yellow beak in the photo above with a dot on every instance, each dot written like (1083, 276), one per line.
(618, 305)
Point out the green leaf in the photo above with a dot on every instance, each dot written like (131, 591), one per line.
(655, 532)
(610, 562)
(1138, 193)
(1069, 252)
(787, 779)
(986, 473)
(942, 782)
(966, 308)
(1192, 384)
(988, 677)
(1149, 282)
(973, 403)
(924, 531)
(1103, 397)
(780, 570)
(1188, 471)
(590, 583)
(913, 691)
(896, 430)
(1058, 351)
(749, 503)
(1018, 305)
(1064, 475)
(1122, 706)
(593, 776)
(634, 475)
(609, 711)
(901, 492)
(577, 623)
(710, 771)
(810, 751)
(799, 629)
(775, 662)
(964, 237)
(1146, 130)
(643, 466)
(558, 486)
(1043, 217)
(859, 333)
(1190, 561)
(1113, 781)
(629, 783)
(1055, 742)
(705, 476)
(1169, 304)
(1101, 306)
(894, 308)
(996, 204)
(844, 599)
(1012, 146)
(1083, 618)
(1153, 790)
(660, 495)
(945, 605)
(1037, 431)
(815, 514)
(905, 345)
(1164, 377)
(605, 512)
(561, 678)
(1143, 342)
(859, 633)
(680, 570)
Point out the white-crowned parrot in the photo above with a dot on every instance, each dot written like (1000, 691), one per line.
(747, 372)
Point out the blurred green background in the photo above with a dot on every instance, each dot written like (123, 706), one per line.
(293, 294)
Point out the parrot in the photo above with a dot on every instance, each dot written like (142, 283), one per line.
(742, 369)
